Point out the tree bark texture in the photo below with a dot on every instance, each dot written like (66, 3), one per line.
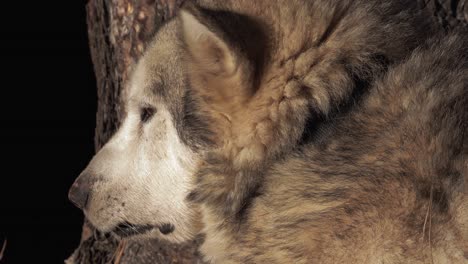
(118, 31)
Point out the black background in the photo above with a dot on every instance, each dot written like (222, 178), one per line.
(47, 122)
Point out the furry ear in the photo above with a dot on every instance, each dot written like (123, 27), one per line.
(207, 49)
(225, 54)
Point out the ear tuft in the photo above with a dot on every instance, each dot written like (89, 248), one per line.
(205, 44)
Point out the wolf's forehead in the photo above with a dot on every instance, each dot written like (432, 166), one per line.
(150, 77)
(158, 72)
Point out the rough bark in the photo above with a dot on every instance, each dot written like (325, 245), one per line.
(118, 31)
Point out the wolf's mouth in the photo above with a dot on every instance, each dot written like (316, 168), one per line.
(127, 229)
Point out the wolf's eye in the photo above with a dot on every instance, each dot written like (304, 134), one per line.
(146, 113)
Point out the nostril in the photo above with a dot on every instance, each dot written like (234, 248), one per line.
(79, 192)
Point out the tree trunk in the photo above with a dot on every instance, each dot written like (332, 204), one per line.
(118, 31)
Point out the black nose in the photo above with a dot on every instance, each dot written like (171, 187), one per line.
(80, 191)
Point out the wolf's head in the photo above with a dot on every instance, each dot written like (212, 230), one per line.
(137, 184)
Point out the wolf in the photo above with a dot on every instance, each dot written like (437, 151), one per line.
(291, 132)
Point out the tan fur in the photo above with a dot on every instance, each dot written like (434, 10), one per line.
(265, 69)
(389, 186)
(340, 204)
(310, 45)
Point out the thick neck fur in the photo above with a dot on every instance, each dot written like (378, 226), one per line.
(386, 186)
(318, 51)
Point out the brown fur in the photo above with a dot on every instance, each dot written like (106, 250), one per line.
(264, 72)
(388, 186)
